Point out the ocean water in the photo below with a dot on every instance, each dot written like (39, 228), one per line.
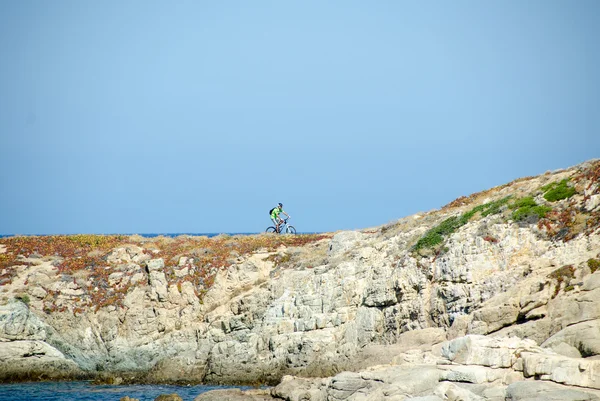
(85, 391)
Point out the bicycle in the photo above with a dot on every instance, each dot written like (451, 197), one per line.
(284, 228)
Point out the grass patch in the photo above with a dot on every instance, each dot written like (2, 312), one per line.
(562, 275)
(280, 259)
(88, 254)
(593, 264)
(527, 201)
(556, 191)
(526, 208)
(535, 211)
(494, 207)
(23, 298)
(436, 235)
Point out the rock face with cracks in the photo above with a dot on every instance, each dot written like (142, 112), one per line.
(469, 302)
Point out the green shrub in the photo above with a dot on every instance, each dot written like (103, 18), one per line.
(527, 207)
(494, 207)
(429, 240)
(562, 275)
(436, 235)
(558, 190)
(593, 264)
(535, 211)
(527, 201)
(548, 187)
(23, 298)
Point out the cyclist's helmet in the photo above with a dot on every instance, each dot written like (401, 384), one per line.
(280, 205)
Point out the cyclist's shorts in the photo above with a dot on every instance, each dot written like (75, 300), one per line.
(274, 221)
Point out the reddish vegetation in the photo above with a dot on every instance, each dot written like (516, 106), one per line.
(491, 239)
(85, 256)
(467, 200)
(559, 224)
(590, 176)
(73, 249)
(573, 219)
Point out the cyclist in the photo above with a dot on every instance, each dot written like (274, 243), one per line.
(275, 212)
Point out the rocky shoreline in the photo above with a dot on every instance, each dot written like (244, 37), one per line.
(492, 297)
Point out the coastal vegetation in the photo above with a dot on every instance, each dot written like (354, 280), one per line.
(556, 191)
(526, 208)
(563, 277)
(562, 221)
(436, 235)
(312, 312)
(593, 264)
(83, 261)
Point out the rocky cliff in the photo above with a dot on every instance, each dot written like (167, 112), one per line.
(494, 296)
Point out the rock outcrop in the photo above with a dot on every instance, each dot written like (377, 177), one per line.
(492, 297)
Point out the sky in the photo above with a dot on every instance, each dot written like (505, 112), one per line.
(145, 116)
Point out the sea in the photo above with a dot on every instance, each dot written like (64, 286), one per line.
(86, 391)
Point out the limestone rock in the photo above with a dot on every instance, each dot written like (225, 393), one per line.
(479, 374)
(293, 388)
(423, 339)
(545, 391)
(565, 349)
(357, 316)
(583, 337)
(452, 392)
(344, 241)
(488, 351)
(18, 323)
(168, 397)
(31, 360)
(235, 395)
(561, 369)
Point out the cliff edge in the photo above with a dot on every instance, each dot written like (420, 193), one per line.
(492, 297)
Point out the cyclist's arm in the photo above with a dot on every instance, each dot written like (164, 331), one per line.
(286, 214)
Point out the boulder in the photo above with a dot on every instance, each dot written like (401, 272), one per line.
(583, 337)
(34, 360)
(168, 397)
(561, 369)
(416, 380)
(235, 394)
(452, 392)
(479, 374)
(545, 391)
(17, 322)
(295, 388)
(565, 349)
(487, 351)
(423, 339)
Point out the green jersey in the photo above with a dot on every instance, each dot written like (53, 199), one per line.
(276, 211)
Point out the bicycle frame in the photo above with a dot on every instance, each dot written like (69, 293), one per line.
(284, 228)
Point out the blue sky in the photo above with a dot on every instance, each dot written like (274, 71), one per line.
(195, 116)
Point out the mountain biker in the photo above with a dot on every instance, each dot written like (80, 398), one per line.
(275, 212)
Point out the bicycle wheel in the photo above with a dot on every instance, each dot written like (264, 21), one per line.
(271, 230)
(290, 230)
